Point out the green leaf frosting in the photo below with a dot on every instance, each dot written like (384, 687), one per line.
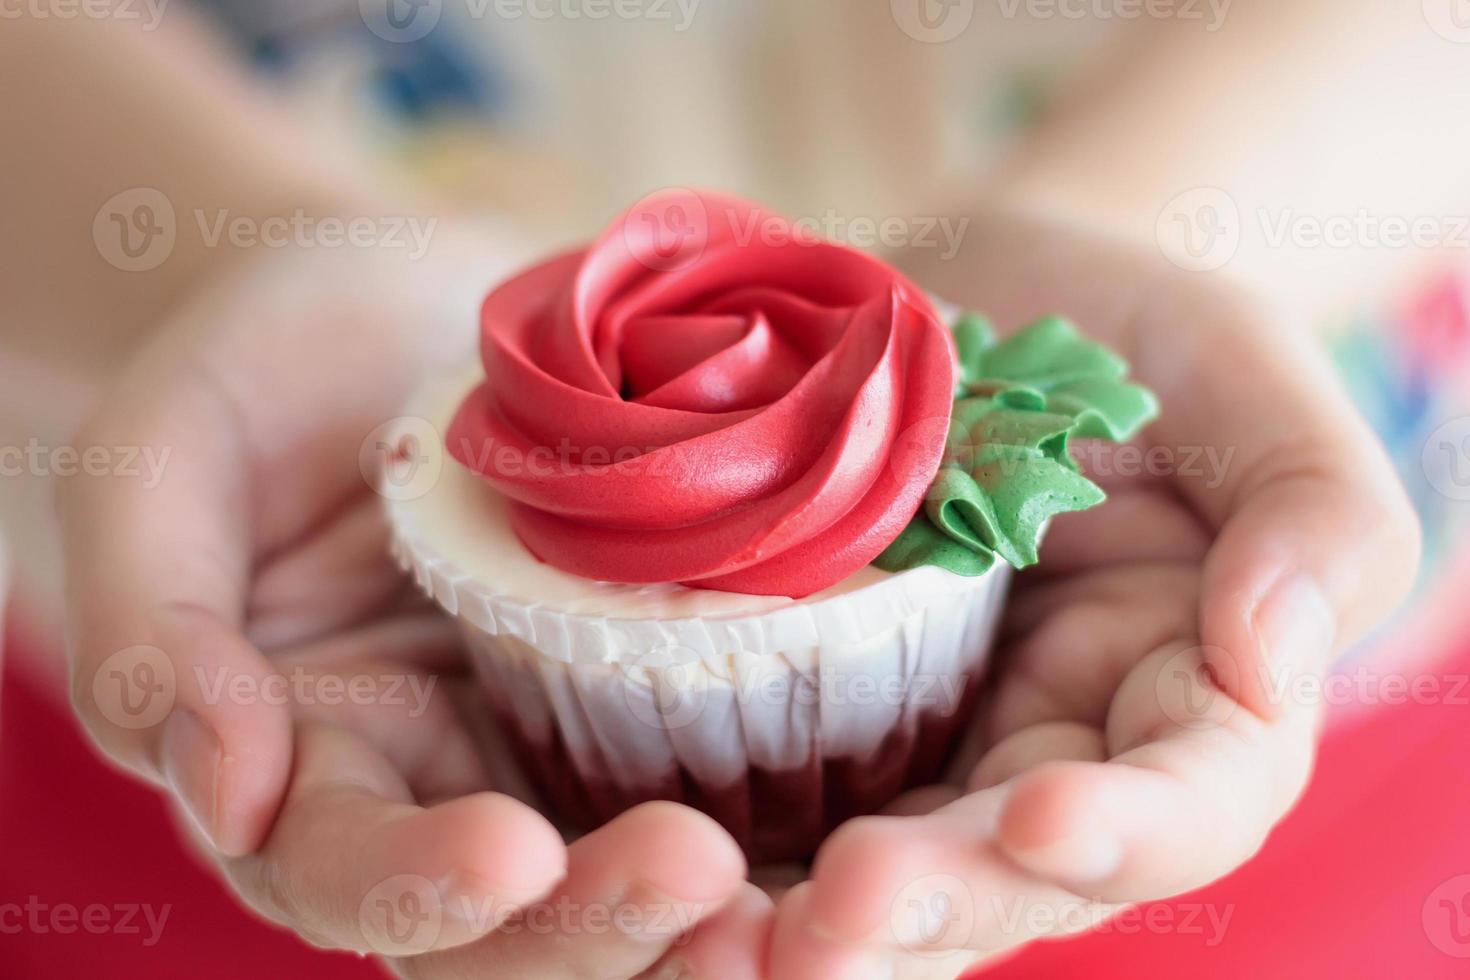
(1007, 469)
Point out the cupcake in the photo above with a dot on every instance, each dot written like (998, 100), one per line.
(730, 511)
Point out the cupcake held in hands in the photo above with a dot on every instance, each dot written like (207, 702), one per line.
(732, 513)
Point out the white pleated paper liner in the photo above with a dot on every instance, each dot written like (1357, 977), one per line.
(780, 725)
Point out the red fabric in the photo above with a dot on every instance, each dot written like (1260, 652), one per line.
(1360, 882)
(74, 834)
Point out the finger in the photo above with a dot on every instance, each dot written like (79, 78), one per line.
(1303, 545)
(352, 863)
(153, 563)
(1028, 748)
(156, 572)
(1136, 526)
(799, 951)
(1195, 784)
(158, 696)
(414, 719)
(634, 887)
(1086, 632)
(1266, 445)
(729, 945)
(1308, 510)
(420, 638)
(332, 579)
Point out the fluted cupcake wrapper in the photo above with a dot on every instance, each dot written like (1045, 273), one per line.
(780, 725)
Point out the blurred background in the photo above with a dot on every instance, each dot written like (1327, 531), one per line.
(541, 119)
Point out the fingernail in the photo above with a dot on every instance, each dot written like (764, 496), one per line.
(472, 901)
(190, 757)
(1094, 856)
(1295, 626)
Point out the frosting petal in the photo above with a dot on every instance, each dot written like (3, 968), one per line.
(737, 415)
(1007, 468)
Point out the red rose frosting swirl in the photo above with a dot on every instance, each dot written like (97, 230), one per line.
(708, 395)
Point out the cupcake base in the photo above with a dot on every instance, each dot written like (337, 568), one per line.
(780, 718)
(778, 747)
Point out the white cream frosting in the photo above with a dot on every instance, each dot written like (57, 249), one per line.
(468, 524)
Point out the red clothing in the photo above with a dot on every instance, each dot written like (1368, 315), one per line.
(1369, 878)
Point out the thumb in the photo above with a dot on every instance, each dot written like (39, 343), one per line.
(155, 584)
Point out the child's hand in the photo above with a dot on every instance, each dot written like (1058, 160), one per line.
(1110, 769)
(262, 551)
(364, 820)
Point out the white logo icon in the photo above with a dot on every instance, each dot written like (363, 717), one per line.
(1189, 691)
(402, 458)
(1200, 229)
(933, 21)
(401, 21)
(401, 916)
(1446, 917)
(667, 230)
(666, 688)
(933, 915)
(1450, 19)
(135, 688)
(135, 230)
(1446, 459)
